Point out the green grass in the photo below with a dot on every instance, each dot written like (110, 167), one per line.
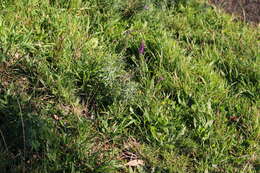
(77, 96)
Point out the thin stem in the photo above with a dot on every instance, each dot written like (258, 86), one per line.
(23, 135)
(4, 140)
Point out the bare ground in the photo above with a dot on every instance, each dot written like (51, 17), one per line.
(247, 10)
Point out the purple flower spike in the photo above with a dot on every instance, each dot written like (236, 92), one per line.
(141, 48)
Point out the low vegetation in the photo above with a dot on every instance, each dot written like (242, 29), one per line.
(127, 86)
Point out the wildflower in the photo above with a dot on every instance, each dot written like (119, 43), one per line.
(146, 7)
(160, 79)
(141, 48)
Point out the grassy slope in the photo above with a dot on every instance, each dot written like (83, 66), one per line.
(76, 96)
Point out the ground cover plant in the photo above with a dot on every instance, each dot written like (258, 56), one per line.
(127, 86)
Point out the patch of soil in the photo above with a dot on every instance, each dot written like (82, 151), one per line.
(247, 10)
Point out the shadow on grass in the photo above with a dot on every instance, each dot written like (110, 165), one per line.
(23, 133)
